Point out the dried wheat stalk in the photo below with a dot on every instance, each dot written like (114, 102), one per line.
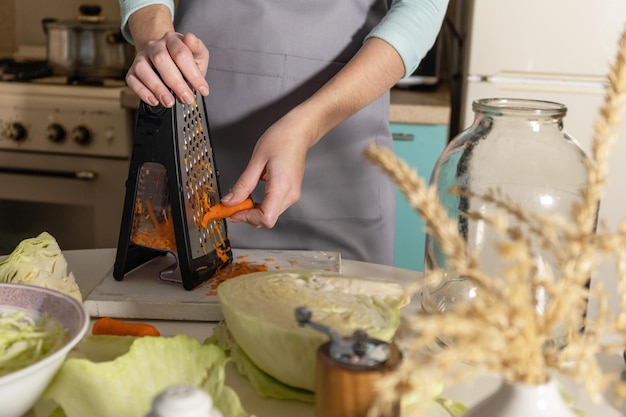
(502, 331)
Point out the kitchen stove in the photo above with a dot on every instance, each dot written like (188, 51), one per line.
(47, 115)
(65, 146)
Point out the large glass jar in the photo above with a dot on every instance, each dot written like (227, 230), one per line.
(520, 148)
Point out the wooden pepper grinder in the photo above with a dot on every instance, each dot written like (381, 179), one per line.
(347, 370)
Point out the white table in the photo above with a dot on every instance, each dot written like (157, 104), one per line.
(89, 266)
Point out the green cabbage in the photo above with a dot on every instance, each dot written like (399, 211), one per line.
(259, 312)
(39, 261)
(126, 386)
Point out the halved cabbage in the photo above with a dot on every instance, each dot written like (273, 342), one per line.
(259, 312)
(39, 261)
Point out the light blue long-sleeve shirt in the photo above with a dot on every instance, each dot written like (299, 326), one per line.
(410, 26)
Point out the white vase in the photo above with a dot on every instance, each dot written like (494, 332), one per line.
(523, 400)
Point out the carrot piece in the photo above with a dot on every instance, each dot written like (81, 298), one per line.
(114, 327)
(220, 211)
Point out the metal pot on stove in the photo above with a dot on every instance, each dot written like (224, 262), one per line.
(88, 47)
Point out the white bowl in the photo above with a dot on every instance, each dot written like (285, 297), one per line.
(21, 389)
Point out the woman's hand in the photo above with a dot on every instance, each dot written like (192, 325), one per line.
(175, 61)
(279, 156)
(279, 160)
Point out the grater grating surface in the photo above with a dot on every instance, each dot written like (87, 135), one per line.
(172, 182)
(199, 177)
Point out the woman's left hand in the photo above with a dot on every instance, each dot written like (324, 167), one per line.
(279, 160)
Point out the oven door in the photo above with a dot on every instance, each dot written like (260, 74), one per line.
(76, 199)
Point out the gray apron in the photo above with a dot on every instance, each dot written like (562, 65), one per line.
(266, 56)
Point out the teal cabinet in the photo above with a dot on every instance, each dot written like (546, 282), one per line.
(420, 146)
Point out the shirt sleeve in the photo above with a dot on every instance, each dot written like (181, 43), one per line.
(128, 7)
(411, 27)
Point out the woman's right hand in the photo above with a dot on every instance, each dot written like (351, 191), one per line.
(176, 61)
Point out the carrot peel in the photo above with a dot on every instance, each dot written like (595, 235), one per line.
(113, 327)
(220, 211)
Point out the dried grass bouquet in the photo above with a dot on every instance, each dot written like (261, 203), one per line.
(502, 331)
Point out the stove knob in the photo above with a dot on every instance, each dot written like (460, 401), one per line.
(15, 131)
(55, 133)
(81, 135)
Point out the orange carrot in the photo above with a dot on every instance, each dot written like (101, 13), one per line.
(220, 211)
(114, 327)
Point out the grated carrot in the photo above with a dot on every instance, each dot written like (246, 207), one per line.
(162, 234)
(232, 271)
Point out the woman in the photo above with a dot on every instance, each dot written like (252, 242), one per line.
(298, 88)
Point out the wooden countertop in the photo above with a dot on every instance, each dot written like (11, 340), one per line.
(431, 107)
(407, 106)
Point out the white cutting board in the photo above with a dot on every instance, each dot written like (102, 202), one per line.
(142, 294)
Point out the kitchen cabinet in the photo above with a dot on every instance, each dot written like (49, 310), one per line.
(419, 124)
(419, 146)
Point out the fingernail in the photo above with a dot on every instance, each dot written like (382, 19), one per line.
(152, 100)
(187, 97)
(227, 197)
(167, 101)
(204, 90)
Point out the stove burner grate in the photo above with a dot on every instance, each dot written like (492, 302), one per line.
(40, 72)
(12, 70)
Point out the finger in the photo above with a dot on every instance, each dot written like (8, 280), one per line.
(264, 215)
(196, 74)
(278, 198)
(140, 89)
(168, 69)
(243, 187)
(187, 74)
(253, 217)
(150, 76)
(259, 218)
(147, 84)
(272, 206)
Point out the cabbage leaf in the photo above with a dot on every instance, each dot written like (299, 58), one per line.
(39, 261)
(263, 383)
(126, 386)
(102, 348)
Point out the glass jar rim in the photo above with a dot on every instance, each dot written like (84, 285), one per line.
(519, 106)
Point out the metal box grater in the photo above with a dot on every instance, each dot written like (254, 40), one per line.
(172, 182)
